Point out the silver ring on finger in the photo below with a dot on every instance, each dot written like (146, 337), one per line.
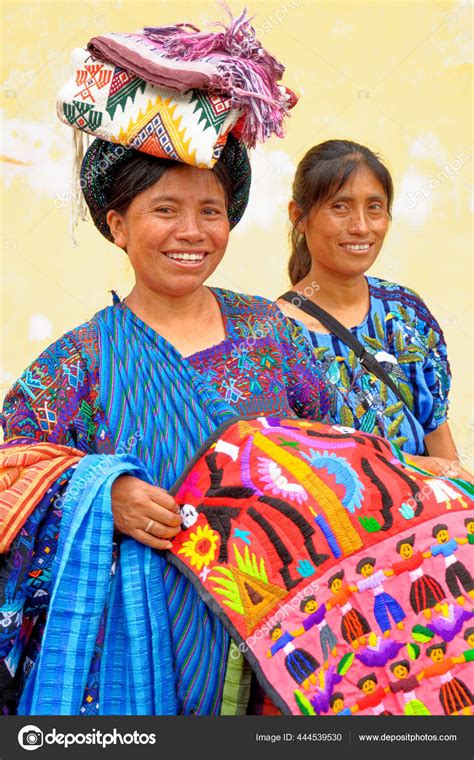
(149, 526)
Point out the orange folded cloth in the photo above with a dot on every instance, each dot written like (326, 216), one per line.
(27, 471)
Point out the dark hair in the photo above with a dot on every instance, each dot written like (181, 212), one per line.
(142, 171)
(305, 601)
(369, 677)
(275, 628)
(337, 576)
(440, 645)
(336, 695)
(468, 632)
(320, 174)
(437, 528)
(365, 561)
(404, 663)
(410, 540)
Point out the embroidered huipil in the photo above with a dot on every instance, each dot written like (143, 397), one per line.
(263, 366)
(407, 340)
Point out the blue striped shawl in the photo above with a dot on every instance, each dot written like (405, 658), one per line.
(163, 652)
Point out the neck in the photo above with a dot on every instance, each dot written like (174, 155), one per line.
(332, 289)
(165, 309)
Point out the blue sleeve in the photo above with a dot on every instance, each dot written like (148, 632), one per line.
(433, 402)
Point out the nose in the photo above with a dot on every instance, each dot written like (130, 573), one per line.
(358, 223)
(189, 228)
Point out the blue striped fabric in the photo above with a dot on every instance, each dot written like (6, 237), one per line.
(80, 587)
(152, 396)
(163, 651)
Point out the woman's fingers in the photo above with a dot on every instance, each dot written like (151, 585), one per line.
(141, 509)
(158, 529)
(162, 514)
(163, 498)
(150, 540)
(444, 467)
(465, 475)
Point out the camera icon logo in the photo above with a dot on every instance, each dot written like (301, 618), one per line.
(30, 737)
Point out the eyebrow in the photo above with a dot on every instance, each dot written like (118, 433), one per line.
(351, 197)
(179, 199)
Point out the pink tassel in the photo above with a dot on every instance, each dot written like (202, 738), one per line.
(246, 70)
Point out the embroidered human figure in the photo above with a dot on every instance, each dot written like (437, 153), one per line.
(317, 617)
(469, 636)
(444, 493)
(469, 524)
(468, 654)
(354, 626)
(384, 604)
(406, 684)
(425, 591)
(457, 574)
(454, 695)
(374, 696)
(336, 703)
(300, 664)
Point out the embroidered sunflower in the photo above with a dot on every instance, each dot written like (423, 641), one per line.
(201, 547)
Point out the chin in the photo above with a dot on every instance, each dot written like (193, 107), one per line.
(356, 269)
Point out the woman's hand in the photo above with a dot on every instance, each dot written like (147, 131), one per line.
(445, 467)
(136, 505)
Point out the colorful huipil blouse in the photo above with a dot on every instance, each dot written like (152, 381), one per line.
(407, 340)
(263, 366)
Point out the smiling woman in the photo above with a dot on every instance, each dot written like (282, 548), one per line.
(175, 241)
(144, 383)
(340, 214)
(104, 428)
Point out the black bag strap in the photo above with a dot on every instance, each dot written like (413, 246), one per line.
(368, 360)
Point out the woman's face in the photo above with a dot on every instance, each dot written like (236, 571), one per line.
(345, 234)
(175, 232)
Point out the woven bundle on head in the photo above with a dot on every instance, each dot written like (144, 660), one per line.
(108, 102)
(174, 93)
(230, 62)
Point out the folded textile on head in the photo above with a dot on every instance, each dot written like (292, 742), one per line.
(174, 93)
(108, 102)
(143, 57)
(230, 63)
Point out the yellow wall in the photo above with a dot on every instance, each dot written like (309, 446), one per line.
(392, 75)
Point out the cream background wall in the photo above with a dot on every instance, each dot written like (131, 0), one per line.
(392, 75)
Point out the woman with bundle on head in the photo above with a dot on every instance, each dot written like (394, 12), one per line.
(377, 341)
(96, 617)
(148, 378)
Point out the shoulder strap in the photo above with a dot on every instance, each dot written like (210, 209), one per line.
(368, 360)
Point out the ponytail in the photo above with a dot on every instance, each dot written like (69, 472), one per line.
(299, 264)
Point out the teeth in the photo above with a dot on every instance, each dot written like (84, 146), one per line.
(364, 247)
(186, 256)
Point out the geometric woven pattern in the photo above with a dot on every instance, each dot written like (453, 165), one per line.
(108, 102)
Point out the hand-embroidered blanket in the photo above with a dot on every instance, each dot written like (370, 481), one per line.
(343, 573)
